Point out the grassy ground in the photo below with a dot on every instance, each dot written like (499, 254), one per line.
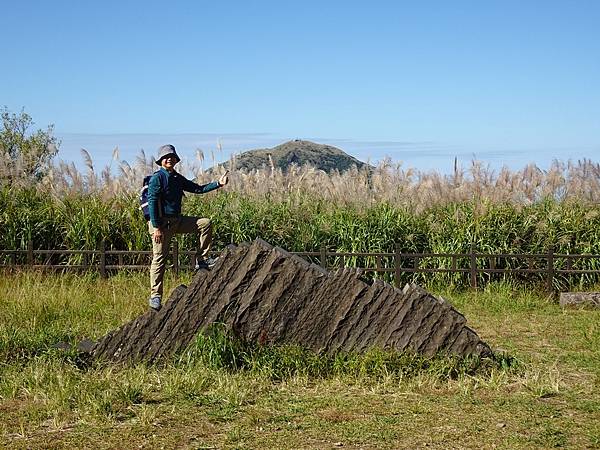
(549, 397)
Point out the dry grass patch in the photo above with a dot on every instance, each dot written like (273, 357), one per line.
(549, 398)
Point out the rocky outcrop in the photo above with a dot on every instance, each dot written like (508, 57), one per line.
(585, 299)
(267, 295)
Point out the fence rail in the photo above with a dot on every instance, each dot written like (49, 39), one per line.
(546, 266)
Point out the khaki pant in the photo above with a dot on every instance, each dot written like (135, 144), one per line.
(172, 226)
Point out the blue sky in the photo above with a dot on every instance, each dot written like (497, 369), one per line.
(508, 82)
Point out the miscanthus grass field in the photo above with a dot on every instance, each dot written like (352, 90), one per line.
(528, 211)
(542, 391)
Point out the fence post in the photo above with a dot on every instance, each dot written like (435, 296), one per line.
(30, 253)
(550, 269)
(473, 267)
(102, 259)
(398, 270)
(323, 257)
(175, 257)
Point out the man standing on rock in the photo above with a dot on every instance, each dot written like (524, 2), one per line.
(165, 191)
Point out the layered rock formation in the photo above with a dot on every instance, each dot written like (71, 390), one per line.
(587, 299)
(267, 295)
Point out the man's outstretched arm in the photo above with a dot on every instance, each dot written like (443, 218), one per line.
(190, 186)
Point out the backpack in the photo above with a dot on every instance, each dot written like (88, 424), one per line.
(144, 191)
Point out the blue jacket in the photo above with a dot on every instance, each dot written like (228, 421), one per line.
(170, 200)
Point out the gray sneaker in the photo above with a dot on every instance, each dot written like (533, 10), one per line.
(155, 303)
(207, 263)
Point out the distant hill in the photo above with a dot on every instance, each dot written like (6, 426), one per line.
(299, 152)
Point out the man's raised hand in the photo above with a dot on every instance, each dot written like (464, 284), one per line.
(224, 178)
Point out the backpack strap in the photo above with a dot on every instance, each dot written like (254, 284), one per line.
(164, 181)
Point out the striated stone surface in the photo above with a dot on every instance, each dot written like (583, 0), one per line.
(267, 295)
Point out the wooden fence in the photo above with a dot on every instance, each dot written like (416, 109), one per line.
(397, 265)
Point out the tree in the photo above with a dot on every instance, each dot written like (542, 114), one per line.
(27, 155)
